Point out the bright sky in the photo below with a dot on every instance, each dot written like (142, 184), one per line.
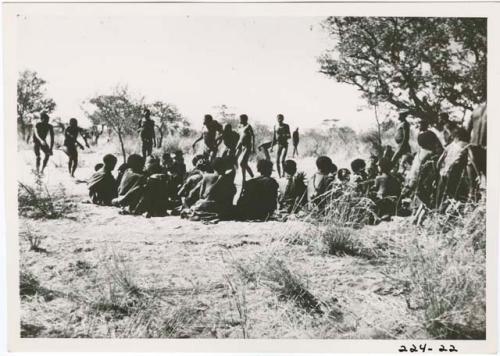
(260, 66)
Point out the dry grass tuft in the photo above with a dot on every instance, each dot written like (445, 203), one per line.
(37, 202)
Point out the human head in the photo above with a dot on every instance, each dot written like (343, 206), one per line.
(324, 164)
(243, 119)
(265, 167)
(290, 167)
(152, 165)
(228, 128)
(207, 119)
(98, 166)
(178, 155)
(44, 117)
(196, 159)
(280, 118)
(429, 141)
(219, 165)
(135, 162)
(147, 113)
(358, 165)
(109, 161)
(73, 122)
(344, 175)
(297, 129)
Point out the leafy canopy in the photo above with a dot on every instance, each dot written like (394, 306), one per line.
(420, 65)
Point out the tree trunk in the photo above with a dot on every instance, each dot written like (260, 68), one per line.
(122, 146)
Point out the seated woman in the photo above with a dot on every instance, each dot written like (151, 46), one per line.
(217, 191)
(259, 196)
(294, 195)
(131, 184)
(102, 185)
(189, 192)
(321, 182)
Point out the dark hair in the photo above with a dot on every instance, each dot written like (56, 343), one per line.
(147, 112)
(290, 167)
(109, 160)
(324, 164)
(208, 117)
(219, 165)
(73, 120)
(358, 164)
(281, 117)
(428, 140)
(135, 162)
(343, 173)
(244, 117)
(265, 167)
(44, 116)
(228, 127)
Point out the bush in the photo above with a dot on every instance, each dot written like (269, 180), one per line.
(37, 202)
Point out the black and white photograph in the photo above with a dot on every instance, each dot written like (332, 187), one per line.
(318, 176)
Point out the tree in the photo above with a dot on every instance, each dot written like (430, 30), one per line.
(168, 120)
(31, 100)
(119, 111)
(419, 65)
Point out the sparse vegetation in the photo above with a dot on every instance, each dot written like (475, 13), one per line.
(38, 202)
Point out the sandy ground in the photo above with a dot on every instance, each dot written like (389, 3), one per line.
(192, 265)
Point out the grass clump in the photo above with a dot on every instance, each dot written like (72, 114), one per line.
(38, 202)
(446, 272)
(28, 283)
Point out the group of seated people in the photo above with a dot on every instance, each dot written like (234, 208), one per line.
(414, 184)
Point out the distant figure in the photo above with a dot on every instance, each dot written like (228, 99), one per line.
(40, 141)
(102, 185)
(295, 141)
(71, 142)
(322, 181)
(209, 133)
(147, 133)
(259, 196)
(281, 137)
(245, 146)
(360, 176)
(402, 138)
(294, 196)
(230, 139)
(190, 190)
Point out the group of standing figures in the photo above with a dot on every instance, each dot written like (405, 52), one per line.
(239, 145)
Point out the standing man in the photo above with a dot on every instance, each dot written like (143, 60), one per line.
(209, 136)
(71, 142)
(245, 146)
(147, 132)
(230, 139)
(281, 137)
(402, 138)
(40, 140)
(295, 141)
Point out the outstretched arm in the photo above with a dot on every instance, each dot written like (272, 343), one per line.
(197, 140)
